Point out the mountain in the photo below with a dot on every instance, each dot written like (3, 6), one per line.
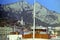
(17, 10)
(43, 16)
(46, 16)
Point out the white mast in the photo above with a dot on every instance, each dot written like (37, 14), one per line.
(34, 22)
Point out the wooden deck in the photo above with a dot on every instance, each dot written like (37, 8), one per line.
(44, 36)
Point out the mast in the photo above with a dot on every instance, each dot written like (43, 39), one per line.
(34, 21)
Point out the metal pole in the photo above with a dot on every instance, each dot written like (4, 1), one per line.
(34, 22)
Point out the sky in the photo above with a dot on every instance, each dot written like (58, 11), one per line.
(49, 4)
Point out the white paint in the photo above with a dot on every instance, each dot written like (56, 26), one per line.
(14, 37)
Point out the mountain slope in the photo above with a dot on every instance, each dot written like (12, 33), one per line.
(45, 15)
(15, 11)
